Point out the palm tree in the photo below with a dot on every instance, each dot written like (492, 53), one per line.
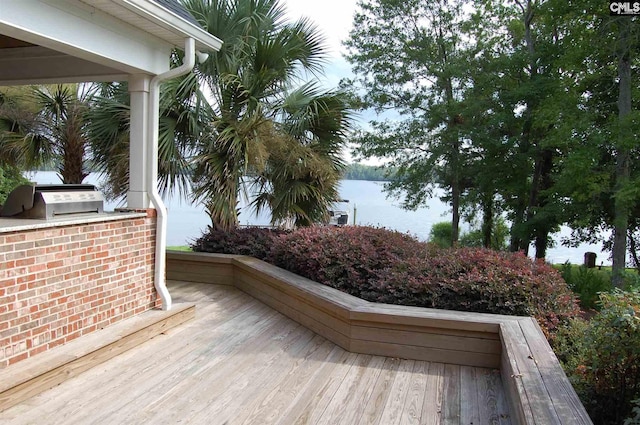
(262, 57)
(46, 125)
(300, 179)
(184, 112)
(18, 119)
(239, 115)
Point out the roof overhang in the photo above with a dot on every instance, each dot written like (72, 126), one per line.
(46, 41)
(159, 21)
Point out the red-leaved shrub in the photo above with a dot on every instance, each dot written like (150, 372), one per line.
(391, 267)
(478, 280)
(253, 241)
(346, 258)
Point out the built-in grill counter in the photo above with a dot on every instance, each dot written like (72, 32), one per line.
(67, 267)
(52, 200)
(34, 206)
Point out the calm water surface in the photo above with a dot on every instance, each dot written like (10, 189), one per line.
(187, 222)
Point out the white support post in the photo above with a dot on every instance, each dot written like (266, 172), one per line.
(138, 197)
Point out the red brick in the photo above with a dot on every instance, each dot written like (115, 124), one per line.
(72, 336)
(81, 294)
(25, 262)
(54, 249)
(40, 329)
(7, 282)
(38, 350)
(15, 237)
(16, 359)
(54, 264)
(7, 265)
(56, 343)
(25, 278)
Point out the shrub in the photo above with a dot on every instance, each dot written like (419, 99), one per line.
(631, 279)
(391, 267)
(586, 283)
(441, 234)
(345, 258)
(479, 280)
(499, 236)
(602, 357)
(253, 241)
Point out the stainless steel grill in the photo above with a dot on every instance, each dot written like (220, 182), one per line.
(51, 200)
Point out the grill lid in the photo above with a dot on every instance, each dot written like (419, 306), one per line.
(50, 200)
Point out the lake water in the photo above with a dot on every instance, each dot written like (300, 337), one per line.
(187, 222)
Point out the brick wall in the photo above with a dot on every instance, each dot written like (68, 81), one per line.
(59, 283)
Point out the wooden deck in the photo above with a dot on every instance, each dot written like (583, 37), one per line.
(536, 388)
(241, 362)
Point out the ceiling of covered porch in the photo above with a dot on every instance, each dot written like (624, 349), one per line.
(92, 40)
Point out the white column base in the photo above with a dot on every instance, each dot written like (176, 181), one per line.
(138, 200)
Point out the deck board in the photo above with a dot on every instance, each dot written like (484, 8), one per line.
(240, 362)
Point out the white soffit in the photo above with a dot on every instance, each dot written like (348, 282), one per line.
(155, 19)
(76, 29)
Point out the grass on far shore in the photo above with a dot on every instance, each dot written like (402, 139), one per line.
(179, 248)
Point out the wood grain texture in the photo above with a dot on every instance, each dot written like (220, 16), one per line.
(54, 367)
(537, 406)
(535, 392)
(241, 362)
(552, 374)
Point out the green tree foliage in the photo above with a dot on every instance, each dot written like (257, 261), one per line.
(45, 125)
(258, 124)
(513, 108)
(182, 117)
(600, 173)
(440, 235)
(471, 89)
(358, 171)
(14, 117)
(409, 57)
(534, 129)
(256, 104)
(10, 178)
(299, 181)
(497, 239)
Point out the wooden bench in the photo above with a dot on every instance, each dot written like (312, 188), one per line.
(537, 387)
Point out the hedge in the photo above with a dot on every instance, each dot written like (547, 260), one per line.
(386, 266)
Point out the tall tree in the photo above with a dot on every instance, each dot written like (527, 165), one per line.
(626, 49)
(599, 177)
(409, 58)
(517, 81)
(238, 118)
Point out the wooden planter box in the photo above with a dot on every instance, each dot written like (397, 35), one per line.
(537, 387)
